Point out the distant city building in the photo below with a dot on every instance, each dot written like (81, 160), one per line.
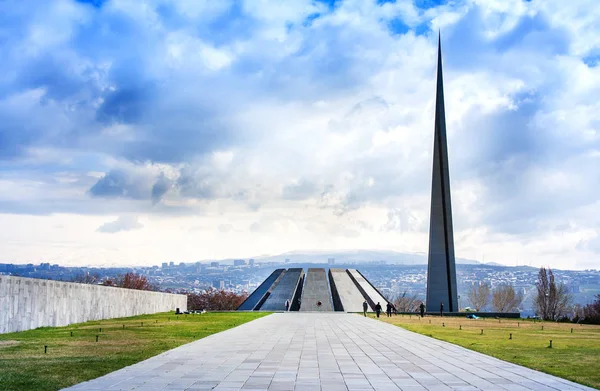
(239, 262)
(331, 261)
(172, 264)
(251, 262)
(219, 284)
(214, 264)
(181, 264)
(573, 288)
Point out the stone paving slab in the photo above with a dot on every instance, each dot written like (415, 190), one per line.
(323, 351)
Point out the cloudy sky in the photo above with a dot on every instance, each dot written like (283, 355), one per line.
(137, 132)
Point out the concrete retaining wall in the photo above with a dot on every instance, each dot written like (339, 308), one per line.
(29, 303)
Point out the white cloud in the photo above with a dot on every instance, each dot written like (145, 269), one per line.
(123, 223)
(303, 126)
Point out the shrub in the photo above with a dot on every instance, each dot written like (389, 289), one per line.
(215, 300)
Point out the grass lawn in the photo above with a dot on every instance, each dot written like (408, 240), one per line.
(574, 356)
(121, 342)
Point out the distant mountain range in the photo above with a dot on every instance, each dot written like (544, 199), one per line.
(356, 256)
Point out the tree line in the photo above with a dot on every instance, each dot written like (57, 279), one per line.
(552, 300)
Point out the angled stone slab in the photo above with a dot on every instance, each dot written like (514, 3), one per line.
(295, 306)
(260, 294)
(316, 289)
(346, 295)
(285, 290)
(368, 291)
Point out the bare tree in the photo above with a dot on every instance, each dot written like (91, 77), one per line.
(406, 302)
(479, 295)
(552, 301)
(131, 281)
(505, 299)
(591, 312)
(86, 278)
(214, 299)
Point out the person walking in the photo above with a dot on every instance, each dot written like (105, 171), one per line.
(365, 308)
(388, 310)
(287, 305)
(378, 309)
(422, 308)
(441, 308)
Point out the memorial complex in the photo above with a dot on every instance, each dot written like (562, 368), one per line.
(338, 290)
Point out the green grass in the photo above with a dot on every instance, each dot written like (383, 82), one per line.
(573, 356)
(71, 360)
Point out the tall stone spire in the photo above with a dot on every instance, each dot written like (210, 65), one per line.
(441, 269)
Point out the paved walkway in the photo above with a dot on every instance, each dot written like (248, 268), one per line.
(334, 351)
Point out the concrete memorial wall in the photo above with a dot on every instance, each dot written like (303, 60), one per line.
(29, 303)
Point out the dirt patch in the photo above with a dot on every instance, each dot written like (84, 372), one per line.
(4, 344)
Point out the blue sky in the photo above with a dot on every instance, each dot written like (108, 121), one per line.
(136, 132)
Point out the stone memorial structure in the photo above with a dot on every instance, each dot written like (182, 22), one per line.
(441, 269)
(286, 289)
(339, 290)
(261, 294)
(315, 294)
(346, 296)
(369, 292)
